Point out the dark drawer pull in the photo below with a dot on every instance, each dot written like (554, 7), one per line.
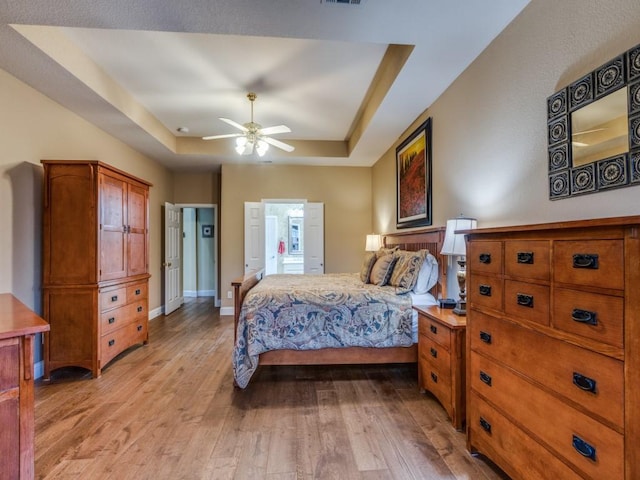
(485, 377)
(137, 291)
(114, 298)
(585, 260)
(434, 377)
(434, 352)
(525, 300)
(139, 328)
(485, 337)
(486, 426)
(485, 290)
(584, 383)
(139, 309)
(433, 329)
(112, 343)
(112, 320)
(583, 448)
(485, 258)
(584, 316)
(525, 257)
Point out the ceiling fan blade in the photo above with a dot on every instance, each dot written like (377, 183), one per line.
(226, 135)
(235, 124)
(277, 143)
(274, 130)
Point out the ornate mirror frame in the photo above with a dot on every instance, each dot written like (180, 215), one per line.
(567, 180)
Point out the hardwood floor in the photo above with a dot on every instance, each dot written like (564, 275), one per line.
(169, 410)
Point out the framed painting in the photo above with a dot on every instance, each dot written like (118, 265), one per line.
(413, 179)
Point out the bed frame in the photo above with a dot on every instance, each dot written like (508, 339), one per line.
(430, 239)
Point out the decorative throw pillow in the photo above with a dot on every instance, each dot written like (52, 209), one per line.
(367, 264)
(405, 271)
(382, 269)
(386, 251)
(428, 275)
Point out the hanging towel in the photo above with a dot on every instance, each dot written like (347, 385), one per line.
(281, 247)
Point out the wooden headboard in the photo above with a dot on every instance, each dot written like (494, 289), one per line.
(430, 239)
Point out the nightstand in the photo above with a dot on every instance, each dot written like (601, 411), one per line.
(441, 359)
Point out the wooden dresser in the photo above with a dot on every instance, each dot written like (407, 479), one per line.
(554, 348)
(18, 326)
(95, 263)
(441, 359)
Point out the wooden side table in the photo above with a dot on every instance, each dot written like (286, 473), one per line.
(18, 326)
(441, 359)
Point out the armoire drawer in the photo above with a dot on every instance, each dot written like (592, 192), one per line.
(594, 381)
(522, 458)
(119, 340)
(593, 263)
(113, 298)
(527, 300)
(485, 257)
(584, 442)
(527, 259)
(590, 315)
(486, 291)
(137, 291)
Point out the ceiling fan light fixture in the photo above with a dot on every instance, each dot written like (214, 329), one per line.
(262, 147)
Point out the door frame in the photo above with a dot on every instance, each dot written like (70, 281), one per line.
(216, 229)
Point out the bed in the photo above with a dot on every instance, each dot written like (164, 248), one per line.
(389, 337)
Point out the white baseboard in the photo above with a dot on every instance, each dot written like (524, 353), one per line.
(190, 293)
(156, 312)
(226, 311)
(38, 369)
(199, 293)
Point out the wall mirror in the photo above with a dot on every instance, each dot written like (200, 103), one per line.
(295, 235)
(594, 130)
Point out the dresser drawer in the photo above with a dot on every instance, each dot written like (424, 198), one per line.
(137, 291)
(590, 315)
(435, 331)
(436, 358)
(594, 263)
(113, 298)
(119, 340)
(527, 259)
(527, 300)
(486, 291)
(553, 421)
(522, 458)
(485, 257)
(555, 364)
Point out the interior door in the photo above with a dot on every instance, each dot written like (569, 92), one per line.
(253, 236)
(271, 245)
(172, 251)
(313, 238)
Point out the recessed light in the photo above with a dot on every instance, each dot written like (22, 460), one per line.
(183, 129)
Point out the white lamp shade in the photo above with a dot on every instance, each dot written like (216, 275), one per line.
(374, 242)
(454, 244)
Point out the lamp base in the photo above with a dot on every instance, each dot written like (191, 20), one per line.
(461, 308)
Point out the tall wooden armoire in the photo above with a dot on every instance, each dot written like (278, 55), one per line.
(95, 263)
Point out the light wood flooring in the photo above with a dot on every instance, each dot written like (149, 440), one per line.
(169, 410)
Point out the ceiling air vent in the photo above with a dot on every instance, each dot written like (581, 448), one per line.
(343, 2)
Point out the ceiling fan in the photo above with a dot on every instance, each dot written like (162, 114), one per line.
(254, 137)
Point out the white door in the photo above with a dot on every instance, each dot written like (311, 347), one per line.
(271, 244)
(253, 236)
(172, 249)
(313, 238)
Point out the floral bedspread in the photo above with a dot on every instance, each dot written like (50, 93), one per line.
(309, 312)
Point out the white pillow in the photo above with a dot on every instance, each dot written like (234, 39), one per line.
(427, 276)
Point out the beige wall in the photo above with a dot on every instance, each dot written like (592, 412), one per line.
(33, 127)
(489, 127)
(345, 192)
(199, 187)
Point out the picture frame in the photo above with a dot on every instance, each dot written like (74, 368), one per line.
(207, 231)
(413, 179)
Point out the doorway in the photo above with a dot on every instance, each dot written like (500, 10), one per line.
(284, 238)
(199, 250)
